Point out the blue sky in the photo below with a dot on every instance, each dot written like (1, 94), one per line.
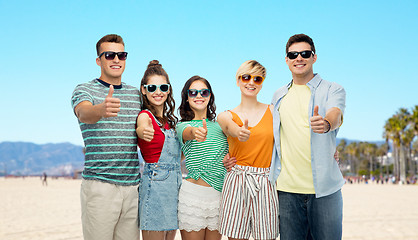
(48, 47)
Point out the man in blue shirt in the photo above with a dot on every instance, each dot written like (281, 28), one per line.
(307, 114)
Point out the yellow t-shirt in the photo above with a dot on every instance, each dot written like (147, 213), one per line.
(295, 142)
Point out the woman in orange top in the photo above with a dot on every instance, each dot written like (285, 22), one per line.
(249, 205)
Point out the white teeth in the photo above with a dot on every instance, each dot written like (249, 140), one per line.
(115, 67)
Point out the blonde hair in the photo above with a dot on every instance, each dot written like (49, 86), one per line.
(251, 67)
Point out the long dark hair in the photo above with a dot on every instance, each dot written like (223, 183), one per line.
(154, 68)
(186, 113)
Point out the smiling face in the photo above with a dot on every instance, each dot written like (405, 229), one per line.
(301, 68)
(199, 104)
(111, 70)
(249, 88)
(157, 98)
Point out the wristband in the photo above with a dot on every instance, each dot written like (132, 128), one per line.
(329, 125)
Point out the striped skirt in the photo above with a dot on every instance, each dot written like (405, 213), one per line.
(249, 204)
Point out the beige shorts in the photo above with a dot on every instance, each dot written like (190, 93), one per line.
(249, 204)
(109, 211)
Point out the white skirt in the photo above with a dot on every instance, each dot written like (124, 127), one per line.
(198, 207)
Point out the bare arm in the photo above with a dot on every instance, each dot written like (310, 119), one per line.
(332, 120)
(334, 116)
(230, 128)
(90, 114)
(144, 128)
(196, 133)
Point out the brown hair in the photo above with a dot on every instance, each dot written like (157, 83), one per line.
(186, 113)
(109, 38)
(155, 69)
(300, 38)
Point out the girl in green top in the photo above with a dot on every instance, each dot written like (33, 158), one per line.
(204, 145)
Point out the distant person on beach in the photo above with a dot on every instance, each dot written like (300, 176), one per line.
(204, 145)
(44, 177)
(160, 149)
(307, 115)
(107, 109)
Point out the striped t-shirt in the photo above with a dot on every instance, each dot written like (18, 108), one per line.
(204, 159)
(111, 143)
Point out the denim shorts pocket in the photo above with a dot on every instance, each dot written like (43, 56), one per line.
(160, 174)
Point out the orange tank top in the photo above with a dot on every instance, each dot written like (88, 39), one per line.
(257, 150)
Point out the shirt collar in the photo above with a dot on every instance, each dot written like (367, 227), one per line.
(108, 85)
(313, 83)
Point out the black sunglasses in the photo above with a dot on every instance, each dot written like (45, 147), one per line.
(304, 54)
(152, 87)
(112, 55)
(203, 92)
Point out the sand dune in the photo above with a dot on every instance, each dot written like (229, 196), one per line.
(29, 210)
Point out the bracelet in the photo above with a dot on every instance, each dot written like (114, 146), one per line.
(329, 125)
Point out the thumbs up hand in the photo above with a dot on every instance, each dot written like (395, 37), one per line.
(318, 123)
(148, 131)
(200, 133)
(244, 133)
(111, 105)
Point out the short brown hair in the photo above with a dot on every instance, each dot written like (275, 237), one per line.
(300, 38)
(109, 38)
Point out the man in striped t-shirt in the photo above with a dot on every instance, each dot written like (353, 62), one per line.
(107, 109)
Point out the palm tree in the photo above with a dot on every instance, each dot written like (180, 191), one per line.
(352, 151)
(414, 121)
(381, 152)
(370, 151)
(396, 129)
(342, 154)
(392, 136)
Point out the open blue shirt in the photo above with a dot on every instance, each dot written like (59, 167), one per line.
(327, 177)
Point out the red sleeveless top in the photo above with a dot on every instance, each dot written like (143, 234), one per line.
(151, 151)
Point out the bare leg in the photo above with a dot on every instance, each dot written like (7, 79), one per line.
(158, 235)
(170, 235)
(212, 235)
(193, 235)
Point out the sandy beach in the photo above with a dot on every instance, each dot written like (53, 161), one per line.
(29, 210)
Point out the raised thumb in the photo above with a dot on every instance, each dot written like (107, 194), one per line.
(316, 109)
(246, 124)
(111, 90)
(204, 124)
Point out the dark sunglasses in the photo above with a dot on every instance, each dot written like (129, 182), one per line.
(152, 87)
(203, 92)
(112, 55)
(304, 54)
(247, 77)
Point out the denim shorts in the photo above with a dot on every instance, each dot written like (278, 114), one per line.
(158, 197)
